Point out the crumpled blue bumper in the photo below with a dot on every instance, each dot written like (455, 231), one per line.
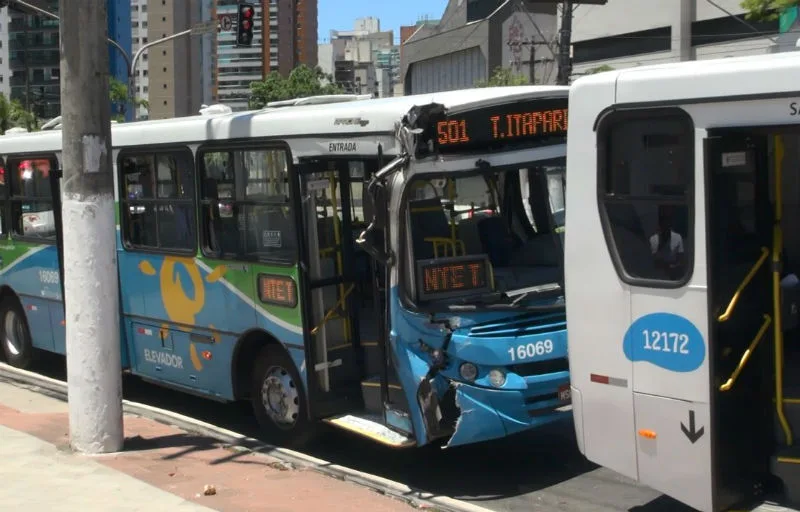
(487, 414)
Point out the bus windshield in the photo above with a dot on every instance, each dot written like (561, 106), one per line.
(511, 219)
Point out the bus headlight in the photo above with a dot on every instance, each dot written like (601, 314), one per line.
(497, 377)
(468, 371)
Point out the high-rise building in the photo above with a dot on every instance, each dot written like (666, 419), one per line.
(364, 60)
(5, 70)
(237, 66)
(34, 60)
(180, 72)
(276, 47)
(139, 38)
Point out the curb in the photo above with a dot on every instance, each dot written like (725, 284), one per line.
(416, 498)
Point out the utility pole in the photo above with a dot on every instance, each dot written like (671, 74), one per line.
(91, 287)
(564, 44)
(532, 65)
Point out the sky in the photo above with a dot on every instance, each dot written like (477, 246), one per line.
(340, 14)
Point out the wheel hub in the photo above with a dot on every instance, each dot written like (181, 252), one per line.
(11, 333)
(280, 397)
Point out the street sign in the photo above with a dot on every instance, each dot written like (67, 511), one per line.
(225, 22)
(205, 27)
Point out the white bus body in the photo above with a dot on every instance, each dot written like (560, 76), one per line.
(672, 190)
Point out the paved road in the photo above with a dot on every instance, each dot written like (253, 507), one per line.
(534, 471)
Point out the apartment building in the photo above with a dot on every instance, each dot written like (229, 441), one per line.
(181, 73)
(5, 69)
(276, 46)
(364, 60)
(34, 59)
(139, 38)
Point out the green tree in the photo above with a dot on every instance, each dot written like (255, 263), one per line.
(5, 114)
(22, 117)
(302, 82)
(502, 77)
(766, 10)
(119, 96)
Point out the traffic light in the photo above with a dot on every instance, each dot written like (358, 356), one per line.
(247, 15)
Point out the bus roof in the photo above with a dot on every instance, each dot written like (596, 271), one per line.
(339, 119)
(699, 81)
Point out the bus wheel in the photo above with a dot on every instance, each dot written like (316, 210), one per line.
(279, 401)
(15, 337)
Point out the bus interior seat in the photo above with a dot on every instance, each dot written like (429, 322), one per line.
(469, 234)
(429, 219)
(496, 239)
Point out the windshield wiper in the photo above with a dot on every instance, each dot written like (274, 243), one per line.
(522, 293)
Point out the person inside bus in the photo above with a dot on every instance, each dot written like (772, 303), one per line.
(666, 244)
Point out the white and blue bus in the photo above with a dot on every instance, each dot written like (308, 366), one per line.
(390, 266)
(682, 257)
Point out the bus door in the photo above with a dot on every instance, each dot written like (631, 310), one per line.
(738, 248)
(334, 290)
(741, 261)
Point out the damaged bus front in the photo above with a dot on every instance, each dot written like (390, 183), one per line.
(468, 225)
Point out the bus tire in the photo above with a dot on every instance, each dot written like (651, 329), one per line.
(279, 399)
(15, 336)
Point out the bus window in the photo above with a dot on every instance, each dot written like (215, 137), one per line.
(157, 200)
(246, 212)
(646, 185)
(507, 215)
(32, 201)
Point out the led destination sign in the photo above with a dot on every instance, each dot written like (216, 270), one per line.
(278, 290)
(448, 277)
(521, 123)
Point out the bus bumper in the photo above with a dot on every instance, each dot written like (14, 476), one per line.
(487, 414)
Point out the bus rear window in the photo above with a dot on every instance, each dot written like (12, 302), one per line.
(31, 197)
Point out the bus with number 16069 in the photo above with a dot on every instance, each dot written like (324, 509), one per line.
(392, 267)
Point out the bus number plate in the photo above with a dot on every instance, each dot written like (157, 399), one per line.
(565, 393)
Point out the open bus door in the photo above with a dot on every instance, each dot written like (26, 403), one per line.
(745, 253)
(330, 311)
(738, 234)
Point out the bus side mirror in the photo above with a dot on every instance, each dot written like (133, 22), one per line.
(373, 239)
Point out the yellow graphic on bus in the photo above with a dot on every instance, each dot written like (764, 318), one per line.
(182, 308)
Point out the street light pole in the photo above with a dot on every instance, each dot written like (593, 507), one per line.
(199, 29)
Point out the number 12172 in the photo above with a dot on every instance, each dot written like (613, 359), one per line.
(662, 341)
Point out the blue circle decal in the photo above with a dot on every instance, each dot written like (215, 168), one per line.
(668, 341)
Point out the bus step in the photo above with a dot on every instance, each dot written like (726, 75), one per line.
(371, 426)
(786, 466)
(771, 507)
(371, 391)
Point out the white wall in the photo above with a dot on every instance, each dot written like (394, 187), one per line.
(624, 16)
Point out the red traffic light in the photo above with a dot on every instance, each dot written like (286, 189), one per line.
(247, 12)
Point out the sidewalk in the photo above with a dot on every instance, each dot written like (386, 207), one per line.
(162, 469)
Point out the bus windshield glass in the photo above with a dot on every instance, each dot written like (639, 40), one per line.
(494, 234)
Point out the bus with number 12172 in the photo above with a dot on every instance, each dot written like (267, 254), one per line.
(682, 257)
(392, 267)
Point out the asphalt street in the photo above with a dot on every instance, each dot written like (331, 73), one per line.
(541, 470)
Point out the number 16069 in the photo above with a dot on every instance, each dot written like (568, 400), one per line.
(530, 350)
